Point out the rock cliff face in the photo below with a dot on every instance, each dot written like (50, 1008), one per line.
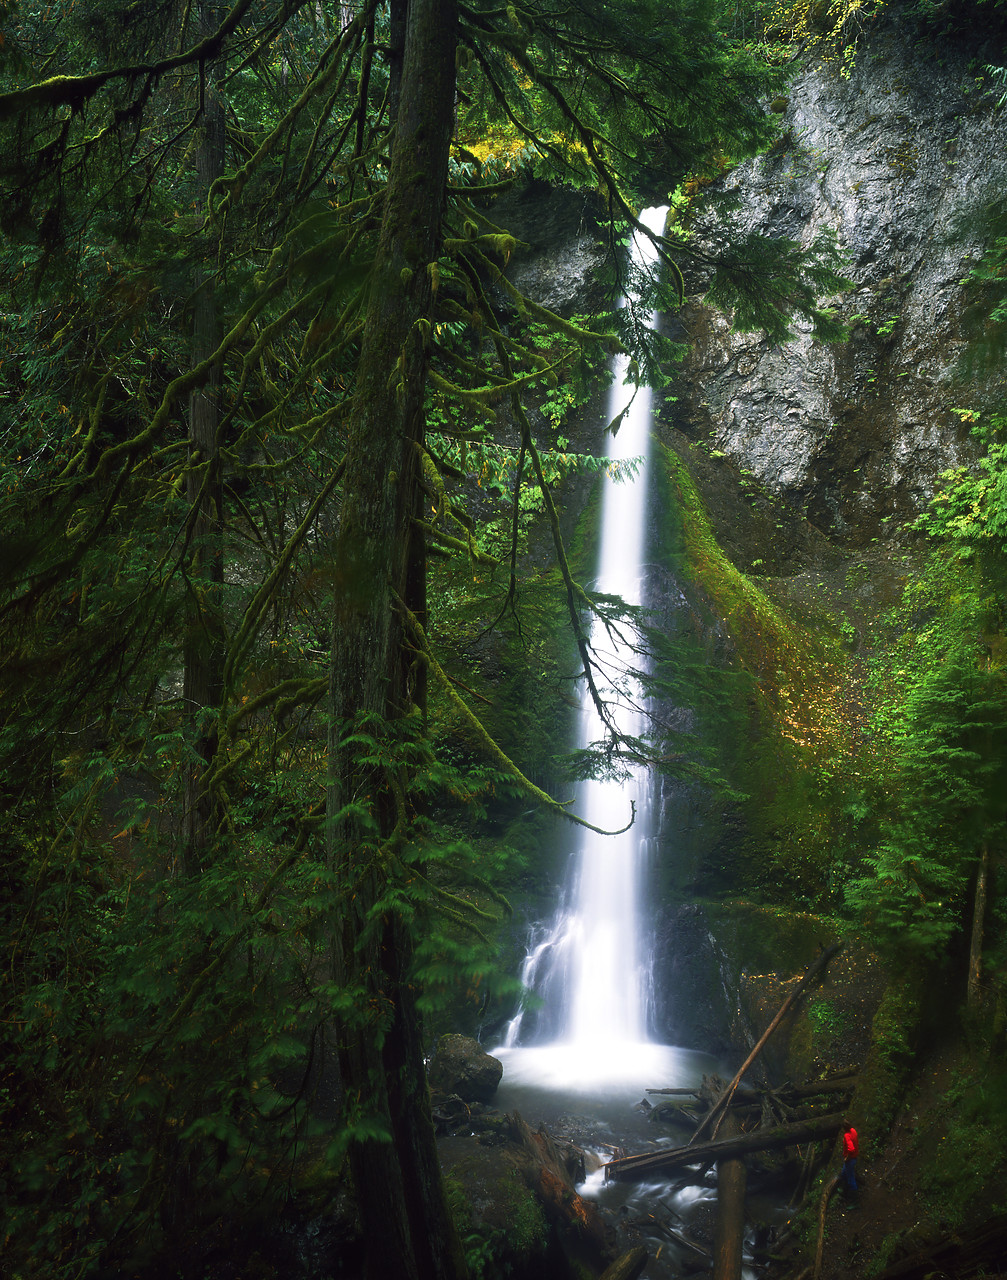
(848, 438)
(890, 160)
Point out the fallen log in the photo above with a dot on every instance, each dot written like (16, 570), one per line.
(628, 1266)
(835, 1084)
(581, 1229)
(635, 1168)
(723, 1102)
(673, 1113)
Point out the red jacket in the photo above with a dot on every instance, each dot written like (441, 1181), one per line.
(851, 1146)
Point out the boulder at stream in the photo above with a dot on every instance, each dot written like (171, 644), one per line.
(461, 1066)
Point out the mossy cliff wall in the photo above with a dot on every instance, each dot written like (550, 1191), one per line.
(790, 474)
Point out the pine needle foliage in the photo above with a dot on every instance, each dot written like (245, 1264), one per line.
(942, 725)
(168, 1016)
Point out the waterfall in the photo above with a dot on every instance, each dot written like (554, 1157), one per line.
(589, 965)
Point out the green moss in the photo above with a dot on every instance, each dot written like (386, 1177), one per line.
(828, 1021)
(769, 711)
(787, 664)
(509, 1236)
(894, 1034)
(960, 1151)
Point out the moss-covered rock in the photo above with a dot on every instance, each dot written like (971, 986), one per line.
(727, 967)
(462, 1066)
(518, 1212)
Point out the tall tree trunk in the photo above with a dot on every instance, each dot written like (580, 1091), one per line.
(203, 651)
(404, 1213)
(729, 1225)
(978, 919)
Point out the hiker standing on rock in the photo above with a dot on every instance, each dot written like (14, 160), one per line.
(851, 1149)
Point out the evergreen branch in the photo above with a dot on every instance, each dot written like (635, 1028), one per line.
(62, 569)
(487, 189)
(588, 139)
(73, 91)
(233, 185)
(191, 380)
(203, 978)
(323, 116)
(500, 97)
(486, 739)
(298, 689)
(578, 333)
(574, 592)
(470, 548)
(224, 769)
(479, 396)
(453, 906)
(255, 612)
(434, 479)
(501, 242)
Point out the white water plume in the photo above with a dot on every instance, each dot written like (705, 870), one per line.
(590, 965)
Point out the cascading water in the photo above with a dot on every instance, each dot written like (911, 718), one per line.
(589, 965)
(582, 1061)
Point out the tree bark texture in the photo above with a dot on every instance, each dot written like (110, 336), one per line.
(978, 920)
(203, 656)
(729, 1225)
(379, 558)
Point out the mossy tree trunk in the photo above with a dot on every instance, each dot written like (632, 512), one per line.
(203, 657)
(974, 998)
(379, 561)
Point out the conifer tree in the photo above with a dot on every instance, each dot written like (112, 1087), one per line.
(288, 418)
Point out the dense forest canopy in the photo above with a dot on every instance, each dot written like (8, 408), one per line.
(252, 331)
(257, 344)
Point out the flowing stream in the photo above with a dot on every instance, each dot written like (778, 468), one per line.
(581, 1057)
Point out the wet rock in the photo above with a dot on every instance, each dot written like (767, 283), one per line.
(462, 1067)
(889, 161)
(560, 259)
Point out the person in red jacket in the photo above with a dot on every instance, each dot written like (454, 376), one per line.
(851, 1149)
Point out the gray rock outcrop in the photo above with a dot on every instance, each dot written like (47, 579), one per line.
(890, 161)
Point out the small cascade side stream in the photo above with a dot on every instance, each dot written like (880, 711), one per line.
(581, 1058)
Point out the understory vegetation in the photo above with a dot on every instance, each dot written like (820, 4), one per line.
(296, 511)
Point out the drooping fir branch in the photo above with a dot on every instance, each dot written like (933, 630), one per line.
(255, 612)
(226, 191)
(486, 739)
(216, 964)
(73, 91)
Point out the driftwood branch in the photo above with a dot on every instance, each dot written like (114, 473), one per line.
(716, 1112)
(628, 1266)
(632, 1168)
(823, 1205)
